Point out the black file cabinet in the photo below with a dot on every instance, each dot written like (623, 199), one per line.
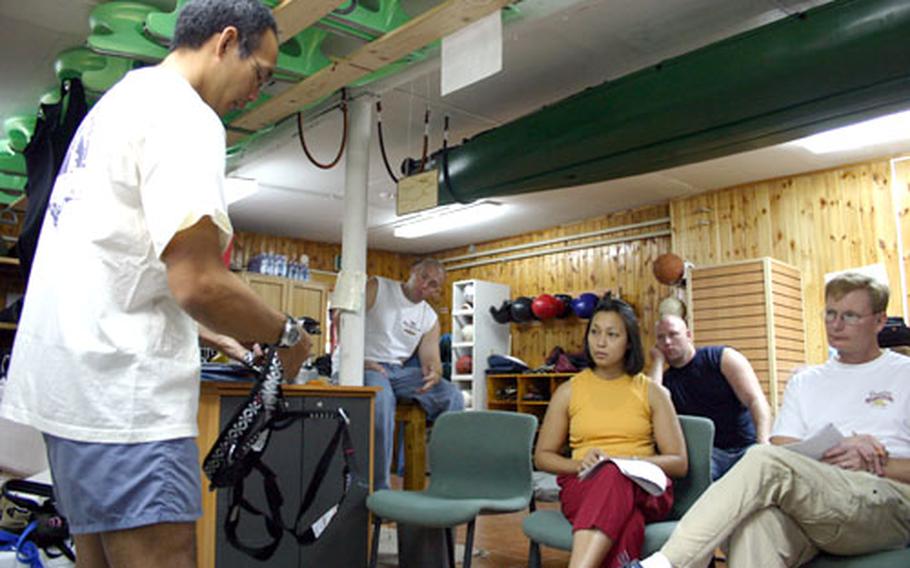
(293, 454)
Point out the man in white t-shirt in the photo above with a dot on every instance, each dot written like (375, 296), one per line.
(400, 323)
(127, 270)
(779, 507)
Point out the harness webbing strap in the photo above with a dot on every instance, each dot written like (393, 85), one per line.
(273, 523)
(273, 520)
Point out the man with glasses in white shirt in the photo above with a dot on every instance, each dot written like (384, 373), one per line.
(106, 361)
(781, 508)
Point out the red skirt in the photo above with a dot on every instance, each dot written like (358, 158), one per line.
(610, 502)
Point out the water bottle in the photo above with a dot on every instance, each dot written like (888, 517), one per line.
(304, 267)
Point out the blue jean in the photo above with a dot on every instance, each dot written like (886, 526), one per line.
(403, 383)
(723, 459)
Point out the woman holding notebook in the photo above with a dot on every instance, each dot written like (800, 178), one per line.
(611, 410)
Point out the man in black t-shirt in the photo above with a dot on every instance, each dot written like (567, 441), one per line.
(716, 382)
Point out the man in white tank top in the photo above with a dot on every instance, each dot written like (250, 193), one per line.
(399, 324)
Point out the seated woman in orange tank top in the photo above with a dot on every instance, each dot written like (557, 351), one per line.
(610, 410)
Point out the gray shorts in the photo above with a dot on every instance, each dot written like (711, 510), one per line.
(109, 487)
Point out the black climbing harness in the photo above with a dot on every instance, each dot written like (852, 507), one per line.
(239, 449)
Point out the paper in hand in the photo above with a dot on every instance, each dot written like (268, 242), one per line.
(818, 443)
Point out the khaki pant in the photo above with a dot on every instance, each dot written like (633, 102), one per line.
(779, 508)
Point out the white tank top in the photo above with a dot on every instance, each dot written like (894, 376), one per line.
(395, 324)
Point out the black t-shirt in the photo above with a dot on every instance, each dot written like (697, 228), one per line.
(699, 388)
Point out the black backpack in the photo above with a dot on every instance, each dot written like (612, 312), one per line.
(894, 334)
(28, 512)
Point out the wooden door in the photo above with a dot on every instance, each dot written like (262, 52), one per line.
(269, 288)
(309, 299)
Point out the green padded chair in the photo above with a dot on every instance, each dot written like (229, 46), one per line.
(552, 529)
(480, 462)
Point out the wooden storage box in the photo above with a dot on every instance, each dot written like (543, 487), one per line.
(756, 307)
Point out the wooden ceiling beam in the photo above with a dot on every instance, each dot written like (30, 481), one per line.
(294, 16)
(434, 24)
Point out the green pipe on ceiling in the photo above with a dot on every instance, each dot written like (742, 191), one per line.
(830, 66)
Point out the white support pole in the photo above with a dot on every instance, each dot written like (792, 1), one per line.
(354, 234)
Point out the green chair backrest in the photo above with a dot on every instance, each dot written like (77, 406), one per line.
(699, 434)
(482, 455)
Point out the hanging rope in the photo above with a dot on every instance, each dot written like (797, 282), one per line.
(344, 135)
(385, 158)
(426, 138)
(426, 141)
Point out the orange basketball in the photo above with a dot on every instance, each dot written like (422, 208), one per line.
(669, 268)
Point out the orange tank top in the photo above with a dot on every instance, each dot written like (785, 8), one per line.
(611, 414)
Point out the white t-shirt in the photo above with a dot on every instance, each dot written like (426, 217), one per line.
(103, 352)
(395, 324)
(870, 398)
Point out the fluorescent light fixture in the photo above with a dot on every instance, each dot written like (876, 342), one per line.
(236, 188)
(882, 130)
(447, 218)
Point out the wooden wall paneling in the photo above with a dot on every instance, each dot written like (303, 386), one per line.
(694, 228)
(887, 230)
(819, 223)
(901, 192)
(321, 255)
(624, 266)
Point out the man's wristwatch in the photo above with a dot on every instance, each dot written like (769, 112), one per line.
(291, 333)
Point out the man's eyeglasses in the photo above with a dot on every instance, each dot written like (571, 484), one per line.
(263, 78)
(848, 317)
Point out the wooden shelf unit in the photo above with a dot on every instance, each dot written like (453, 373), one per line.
(756, 307)
(471, 302)
(544, 384)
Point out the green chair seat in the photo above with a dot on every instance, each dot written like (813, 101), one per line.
(656, 534)
(473, 473)
(549, 528)
(419, 508)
